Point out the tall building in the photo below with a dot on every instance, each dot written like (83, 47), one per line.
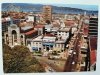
(93, 36)
(47, 13)
(93, 26)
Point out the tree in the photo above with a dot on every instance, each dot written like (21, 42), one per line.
(19, 60)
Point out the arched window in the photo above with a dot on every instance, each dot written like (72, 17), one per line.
(21, 38)
(7, 40)
(14, 34)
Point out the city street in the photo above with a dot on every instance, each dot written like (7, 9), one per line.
(73, 58)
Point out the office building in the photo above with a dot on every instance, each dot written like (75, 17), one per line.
(93, 26)
(47, 13)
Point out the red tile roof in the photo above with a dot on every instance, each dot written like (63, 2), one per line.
(49, 34)
(39, 26)
(30, 32)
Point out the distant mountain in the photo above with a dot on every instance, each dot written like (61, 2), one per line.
(66, 10)
(23, 6)
(38, 8)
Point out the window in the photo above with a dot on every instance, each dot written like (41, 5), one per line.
(14, 36)
(58, 45)
(51, 46)
(36, 43)
(61, 50)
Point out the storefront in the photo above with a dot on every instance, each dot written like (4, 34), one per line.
(35, 48)
(48, 46)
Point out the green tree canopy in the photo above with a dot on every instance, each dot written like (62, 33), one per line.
(20, 60)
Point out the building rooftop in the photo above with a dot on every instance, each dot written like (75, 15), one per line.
(49, 35)
(39, 38)
(48, 25)
(69, 22)
(26, 27)
(39, 26)
(55, 29)
(30, 32)
(49, 39)
(64, 29)
(60, 41)
(6, 19)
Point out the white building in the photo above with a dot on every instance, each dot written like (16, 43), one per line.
(48, 43)
(30, 17)
(63, 32)
(74, 29)
(36, 44)
(13, 36)
(48, 27)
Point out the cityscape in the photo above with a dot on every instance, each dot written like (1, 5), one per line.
(48, 38)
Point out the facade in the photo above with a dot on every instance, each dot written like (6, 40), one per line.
(93, 26)
(93, 35)
(30, 17)
(47, 43)
(50, 41)
(48, 27)
(63, 32)
(40, 29)
(47, 13)
(13, 36)
(36, 44)
(5, 25)
(7, 22)
(19, 35)
(93, 53)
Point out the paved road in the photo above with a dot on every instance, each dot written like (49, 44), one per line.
(73, 58)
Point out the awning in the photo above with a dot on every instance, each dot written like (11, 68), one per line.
(48, 44)
(34, 48)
